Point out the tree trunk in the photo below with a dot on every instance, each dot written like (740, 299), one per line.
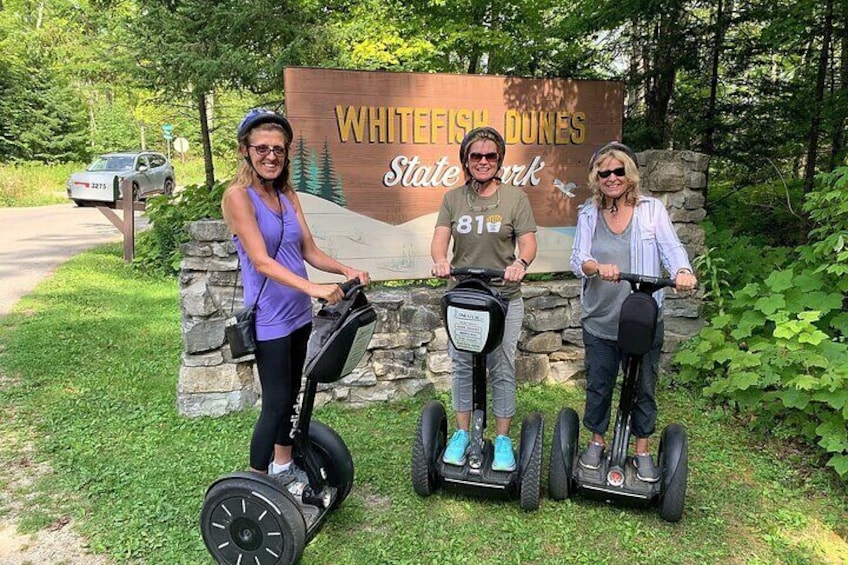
(667, 36)
(815, 126)
(207, 143)
(472, 63)
(841, 96)
(709, 134)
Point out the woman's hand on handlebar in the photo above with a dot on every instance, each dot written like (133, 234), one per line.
(608, 272)
(329, 293)
(685, 281)
(441, 270)
(514, 272)
(363, 276)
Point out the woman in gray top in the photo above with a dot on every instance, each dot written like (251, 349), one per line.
(620, 230)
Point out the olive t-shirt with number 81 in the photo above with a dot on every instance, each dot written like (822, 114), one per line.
(485, 230)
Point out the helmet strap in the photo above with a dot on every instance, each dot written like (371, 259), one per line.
(262, 179)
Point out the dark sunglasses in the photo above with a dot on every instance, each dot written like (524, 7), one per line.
(477, 157)
(619, 172)
(263, 150)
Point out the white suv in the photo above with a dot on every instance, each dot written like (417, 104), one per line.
(150, 173)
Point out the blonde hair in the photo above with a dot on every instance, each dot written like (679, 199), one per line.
(631, 173)
(244, 173)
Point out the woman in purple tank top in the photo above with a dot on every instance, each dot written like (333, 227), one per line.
(274, 243)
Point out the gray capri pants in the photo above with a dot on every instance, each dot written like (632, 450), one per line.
(501, 366)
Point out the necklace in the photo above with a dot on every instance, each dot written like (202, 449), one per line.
(614, 208)
(485, 206)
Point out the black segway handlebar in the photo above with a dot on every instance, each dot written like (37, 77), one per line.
(478, 272)
(351, 286)
(348, 288)
(646, 283)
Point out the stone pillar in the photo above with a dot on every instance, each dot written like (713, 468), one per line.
(210, 383)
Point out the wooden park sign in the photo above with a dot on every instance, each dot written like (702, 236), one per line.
(374, 152)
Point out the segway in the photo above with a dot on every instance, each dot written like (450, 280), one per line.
(250, 518)
(615, 480)
(474, 315)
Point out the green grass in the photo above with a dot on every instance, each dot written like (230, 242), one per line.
(88, 375)
(35, 184)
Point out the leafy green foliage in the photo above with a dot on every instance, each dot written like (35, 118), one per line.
(769, 213)
(158, 248)
(710, 268)
(777, 349)
(114, 128)
(42, 118)
(828, 209)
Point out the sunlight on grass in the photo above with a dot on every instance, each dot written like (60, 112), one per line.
(35, 184)
(88, 368)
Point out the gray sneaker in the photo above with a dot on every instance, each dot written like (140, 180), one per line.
(294, 479)
(645, 469)
(592, 455)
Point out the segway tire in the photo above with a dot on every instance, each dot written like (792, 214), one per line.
(531, 476)
(430, 440)
(674, 463)
(566, 432)
(243, 519)
(335, 458)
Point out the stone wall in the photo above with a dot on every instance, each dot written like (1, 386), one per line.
(408, 353)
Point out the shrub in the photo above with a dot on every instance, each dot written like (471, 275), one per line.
(779, 350)
(158, 248)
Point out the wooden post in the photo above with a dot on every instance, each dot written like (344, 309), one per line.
(125, 225)
(129, 220)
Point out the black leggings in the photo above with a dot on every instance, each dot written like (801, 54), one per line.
(280, 364)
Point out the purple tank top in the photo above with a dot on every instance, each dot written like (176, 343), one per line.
(281, 309)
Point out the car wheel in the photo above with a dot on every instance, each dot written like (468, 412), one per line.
(168, 189)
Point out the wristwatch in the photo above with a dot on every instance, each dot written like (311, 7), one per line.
(524, 263)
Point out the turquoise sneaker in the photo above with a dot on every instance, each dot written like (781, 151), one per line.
(504, 456)
(455, 452)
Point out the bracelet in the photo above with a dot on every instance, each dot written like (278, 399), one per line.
(524, 263)
(684, 270)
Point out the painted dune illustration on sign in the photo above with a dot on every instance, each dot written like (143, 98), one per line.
(395, 252)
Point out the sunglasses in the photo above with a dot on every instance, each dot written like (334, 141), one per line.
(263, 150)
(477, 157)
(619, 172)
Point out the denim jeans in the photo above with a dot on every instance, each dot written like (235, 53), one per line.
(603, 360)
(500, 364)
